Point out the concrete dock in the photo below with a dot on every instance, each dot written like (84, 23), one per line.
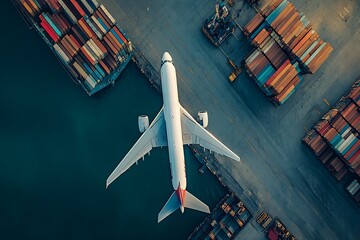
(277, 171)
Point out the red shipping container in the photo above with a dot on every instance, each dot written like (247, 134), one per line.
(78, 8)
(49, 30)
(120, 34)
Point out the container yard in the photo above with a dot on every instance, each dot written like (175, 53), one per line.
(225, 221)
(277, 173)
(286, 47)
(84, 36)
(335, 141)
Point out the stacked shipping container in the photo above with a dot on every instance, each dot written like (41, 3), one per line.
(296, 34)
(84, 36)
(271, 68)
(289, 47)
(335, 139)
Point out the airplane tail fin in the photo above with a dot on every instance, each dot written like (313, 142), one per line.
(173, 204)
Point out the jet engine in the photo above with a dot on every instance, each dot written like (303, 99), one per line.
(203, 119)
(143, 122)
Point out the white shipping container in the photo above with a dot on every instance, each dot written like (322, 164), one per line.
(351, 185)
(346, 132)
(91, 25)
(268, 46)
(102, 55)
(67, 11)
(91, 48)
(252, 56)
(355, 190)
(91, 81)
(98, 24)
(315, 53)
(61, 53)
(95, 3)
(87, 6)
(352, 190)
(108, 14)
(346, 142)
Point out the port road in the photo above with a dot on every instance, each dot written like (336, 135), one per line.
(277, 170)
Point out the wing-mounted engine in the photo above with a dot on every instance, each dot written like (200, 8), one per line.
(143, 122)
(203, 119)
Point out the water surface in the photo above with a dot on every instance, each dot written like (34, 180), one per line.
(58, 146)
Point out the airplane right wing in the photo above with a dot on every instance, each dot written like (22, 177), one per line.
(194, 133)
(154, 136)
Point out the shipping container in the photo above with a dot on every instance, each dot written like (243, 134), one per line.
(342, 154)
(78, 8)
(49, 31)
(88, 8)
(110, 17)
(67, 12)
(61, 53)
(77, 31)
(93, 28)
(282, 34)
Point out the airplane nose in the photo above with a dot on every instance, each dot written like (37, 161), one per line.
(182, 209)
(166, 57)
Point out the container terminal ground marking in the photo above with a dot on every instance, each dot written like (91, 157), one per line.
(327, 102)
(251, 146)
(191, 69)
(235, 36)
(222, 50)
(237, 24)
(345, 15)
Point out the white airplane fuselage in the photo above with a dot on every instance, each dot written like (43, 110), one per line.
(173, 127)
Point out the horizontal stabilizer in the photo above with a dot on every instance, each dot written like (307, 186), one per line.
(192, 202)
(171, 206)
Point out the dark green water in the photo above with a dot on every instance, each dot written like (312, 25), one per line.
(58, 146)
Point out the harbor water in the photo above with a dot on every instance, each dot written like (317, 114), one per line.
(58, 146)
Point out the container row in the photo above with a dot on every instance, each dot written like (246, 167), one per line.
(271, 69)
(295, 33)
(335, 139)
(84, 35)
(287, 47)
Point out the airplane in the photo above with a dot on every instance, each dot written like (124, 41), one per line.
(173, 127)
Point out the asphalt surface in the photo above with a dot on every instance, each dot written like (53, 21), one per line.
(277, 170)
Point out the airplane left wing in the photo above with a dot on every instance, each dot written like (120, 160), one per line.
(154, 136)
(194, 133)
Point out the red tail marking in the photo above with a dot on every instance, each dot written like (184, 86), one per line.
(181, 194)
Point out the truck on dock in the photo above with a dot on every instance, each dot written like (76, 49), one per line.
(237, 70)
